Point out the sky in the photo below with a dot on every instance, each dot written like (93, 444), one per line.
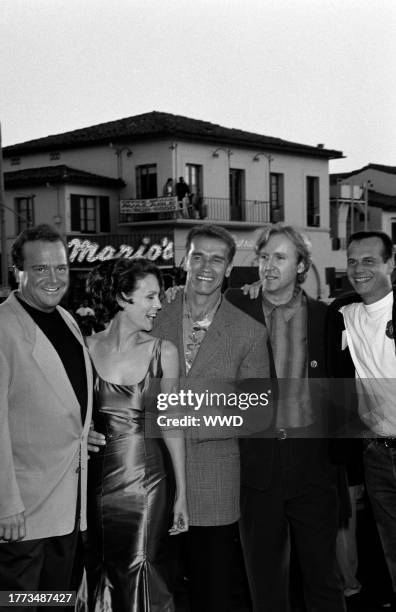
(308, 71)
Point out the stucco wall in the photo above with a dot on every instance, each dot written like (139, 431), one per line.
(171, 163)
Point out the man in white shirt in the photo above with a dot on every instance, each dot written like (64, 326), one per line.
(362, 344)
(84, 310)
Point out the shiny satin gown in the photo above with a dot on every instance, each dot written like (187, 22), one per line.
(128, 501)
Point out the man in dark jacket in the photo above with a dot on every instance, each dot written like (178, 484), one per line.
(288, 484)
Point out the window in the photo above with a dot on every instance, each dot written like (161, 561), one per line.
(146, 181)
(193, 178)
(393, 229)
(15, 161)
(54, 155)
(24, 209)
(237, 193)
(313, 211)
(276, 197)
(89, 214)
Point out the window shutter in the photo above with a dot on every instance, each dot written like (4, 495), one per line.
(104, 213)
(75, 224)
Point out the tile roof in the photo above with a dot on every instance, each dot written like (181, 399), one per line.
(335, 177)
(158, 124)
(382, 168)
(379, 167)
(58, 174)
(381, 200)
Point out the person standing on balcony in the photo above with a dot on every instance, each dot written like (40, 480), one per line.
(168, 188)
(183, 193)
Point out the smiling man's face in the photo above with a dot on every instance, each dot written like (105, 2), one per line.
(44, 279)
(367, 271)
(207, 264)
(279, 267)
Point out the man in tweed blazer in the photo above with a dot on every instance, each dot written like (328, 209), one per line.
(216, 341)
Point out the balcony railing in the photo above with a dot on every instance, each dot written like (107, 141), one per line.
(212, 209)
(219, 209)
(257, 211)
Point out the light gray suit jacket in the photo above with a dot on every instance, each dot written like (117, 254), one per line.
(43, 444)
(234, 348)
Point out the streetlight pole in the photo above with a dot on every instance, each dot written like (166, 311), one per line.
(118, 151)
(269, 159)
(3, 233)
(366, 186)
(228, 153)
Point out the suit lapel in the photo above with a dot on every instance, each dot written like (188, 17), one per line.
(213, 342)
(72, 325)
(394, 315)
(256, 308)
(47, 359)
(171, 328)
(51, 366)
(257, 311)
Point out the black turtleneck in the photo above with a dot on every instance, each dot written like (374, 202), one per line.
(66, 345)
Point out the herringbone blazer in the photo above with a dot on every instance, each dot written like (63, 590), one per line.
(234, 348)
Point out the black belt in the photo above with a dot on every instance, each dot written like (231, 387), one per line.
(282, 433)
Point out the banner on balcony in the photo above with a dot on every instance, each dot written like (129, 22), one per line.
(155, 205)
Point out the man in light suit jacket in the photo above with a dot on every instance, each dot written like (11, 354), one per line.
(216, 342)
(45, 413)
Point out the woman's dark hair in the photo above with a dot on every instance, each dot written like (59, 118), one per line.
(107, 281)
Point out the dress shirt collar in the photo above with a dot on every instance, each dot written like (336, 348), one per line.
(288, 309)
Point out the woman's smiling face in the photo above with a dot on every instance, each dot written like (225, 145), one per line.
(144, 304)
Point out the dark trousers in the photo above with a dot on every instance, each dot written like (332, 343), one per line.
(380, 471)
(307, 506)
(45, 564)
(211, 556)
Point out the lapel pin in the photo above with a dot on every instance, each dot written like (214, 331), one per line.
(389, 330)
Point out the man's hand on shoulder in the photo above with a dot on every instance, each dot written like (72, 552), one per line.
(171, 293)
(12, 528)
(252, 290)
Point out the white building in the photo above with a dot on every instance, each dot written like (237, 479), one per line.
(237, 179)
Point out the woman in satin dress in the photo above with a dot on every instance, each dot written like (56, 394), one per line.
(129, 494)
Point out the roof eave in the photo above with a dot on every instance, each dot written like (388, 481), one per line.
(42, 181)
(268, 145)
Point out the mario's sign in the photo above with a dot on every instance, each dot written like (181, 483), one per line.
(84, 252)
